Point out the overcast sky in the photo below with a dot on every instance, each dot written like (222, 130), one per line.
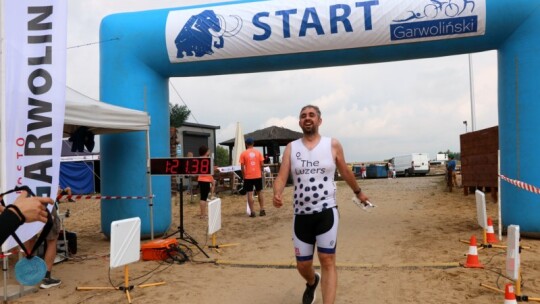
(377, 110)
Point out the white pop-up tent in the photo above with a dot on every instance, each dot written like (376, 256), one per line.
(100, 117)
(104, 118)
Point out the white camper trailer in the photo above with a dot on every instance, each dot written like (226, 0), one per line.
(411, 164)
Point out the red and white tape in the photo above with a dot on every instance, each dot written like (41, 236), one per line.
(521, 185)
(109, 197)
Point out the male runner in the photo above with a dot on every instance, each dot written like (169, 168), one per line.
(312, 160)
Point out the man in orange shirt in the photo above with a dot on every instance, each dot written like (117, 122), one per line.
(252, 162)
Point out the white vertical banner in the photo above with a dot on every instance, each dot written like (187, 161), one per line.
(35, 37)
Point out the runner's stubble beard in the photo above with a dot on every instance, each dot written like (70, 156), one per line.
(310, 130)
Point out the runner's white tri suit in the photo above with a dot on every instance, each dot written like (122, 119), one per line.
(316, 217)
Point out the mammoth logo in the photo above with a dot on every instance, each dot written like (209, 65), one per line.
(200, 31)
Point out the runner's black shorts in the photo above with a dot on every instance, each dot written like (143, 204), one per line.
(256, 183)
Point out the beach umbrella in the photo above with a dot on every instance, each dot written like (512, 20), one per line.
(239, 145)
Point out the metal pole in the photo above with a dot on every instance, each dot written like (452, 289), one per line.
(471, 90)
(499, 193)
(148, 175)
(149, 185)
(181, 227)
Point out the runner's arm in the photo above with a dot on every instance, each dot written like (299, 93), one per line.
(346, 174)
(242, 166)
(283, 175)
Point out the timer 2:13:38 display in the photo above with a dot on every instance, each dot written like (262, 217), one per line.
(181, 166)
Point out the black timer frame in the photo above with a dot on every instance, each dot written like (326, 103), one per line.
(158, 171)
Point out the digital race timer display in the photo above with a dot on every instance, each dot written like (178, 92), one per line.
(181, 166)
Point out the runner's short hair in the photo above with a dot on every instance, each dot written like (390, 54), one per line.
(313, 107)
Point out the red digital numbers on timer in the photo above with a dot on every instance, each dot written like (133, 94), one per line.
(181, 166)
(171, 166)
(198, 166)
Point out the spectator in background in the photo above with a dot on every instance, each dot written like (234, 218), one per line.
(252, 162)
(451, 173)
(363, 171)
(50, 252)
(205, 184)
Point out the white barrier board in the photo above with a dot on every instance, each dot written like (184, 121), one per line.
(125, 242)
(512, 252)
(481, 208)
(214, 216)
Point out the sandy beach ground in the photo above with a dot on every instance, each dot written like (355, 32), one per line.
(406, 251)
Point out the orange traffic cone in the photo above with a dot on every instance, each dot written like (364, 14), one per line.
(490, 233)
(509, 296)
(472, 256)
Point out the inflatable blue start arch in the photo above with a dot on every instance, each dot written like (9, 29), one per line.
(253, 36)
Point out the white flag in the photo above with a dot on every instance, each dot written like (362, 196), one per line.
(33, 89)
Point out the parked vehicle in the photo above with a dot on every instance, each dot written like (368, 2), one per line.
(411, 164)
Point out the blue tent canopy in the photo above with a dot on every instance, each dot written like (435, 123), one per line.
(78, 170)
(78, 175)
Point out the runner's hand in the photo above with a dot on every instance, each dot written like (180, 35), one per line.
(278, 202)
(33, 208)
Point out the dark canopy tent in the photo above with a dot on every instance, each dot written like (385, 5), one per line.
(271, 139)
